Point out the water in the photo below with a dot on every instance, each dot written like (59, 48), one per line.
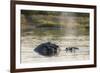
(29, 43)
(66, 29)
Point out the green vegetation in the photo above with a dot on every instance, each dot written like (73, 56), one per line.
(31, 12)
(51, 23)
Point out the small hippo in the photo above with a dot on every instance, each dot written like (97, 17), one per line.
(72, 49)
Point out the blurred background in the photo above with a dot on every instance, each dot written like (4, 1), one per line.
(43, 23)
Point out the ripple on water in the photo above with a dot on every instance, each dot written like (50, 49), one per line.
(29, 43)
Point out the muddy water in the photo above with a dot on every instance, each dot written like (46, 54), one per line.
(29, 43)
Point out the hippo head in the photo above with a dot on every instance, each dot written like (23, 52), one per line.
(47, 49)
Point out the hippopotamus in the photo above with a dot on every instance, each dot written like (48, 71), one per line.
(47, 49)
(72, 49)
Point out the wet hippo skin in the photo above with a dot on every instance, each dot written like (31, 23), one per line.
(47, 49)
